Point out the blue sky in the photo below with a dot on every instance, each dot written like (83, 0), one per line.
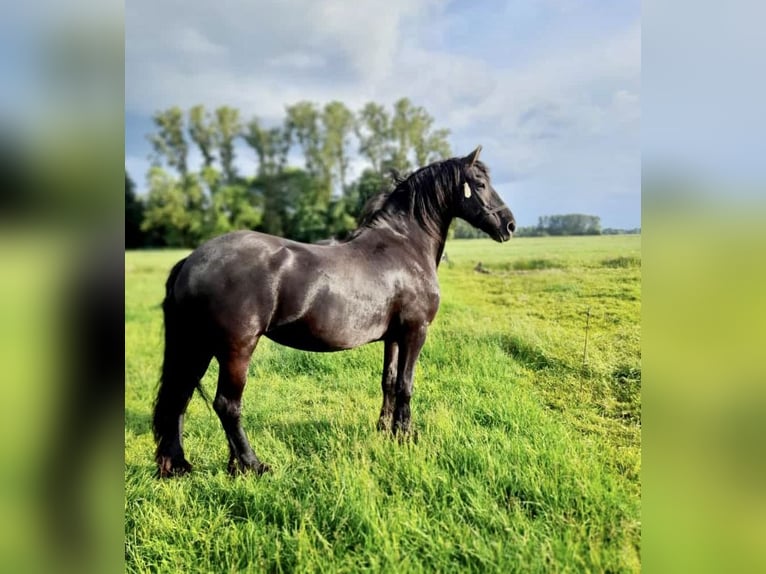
(550, 88)
(705, 92)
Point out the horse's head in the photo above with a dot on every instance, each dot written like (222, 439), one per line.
(478, 202)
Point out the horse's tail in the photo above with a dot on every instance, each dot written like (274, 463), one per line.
(176, 383)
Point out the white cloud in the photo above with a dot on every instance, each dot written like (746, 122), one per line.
(297, 60)
(564, 114)
(297, 50)
(193, 43)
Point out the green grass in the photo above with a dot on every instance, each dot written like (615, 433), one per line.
(528, 458)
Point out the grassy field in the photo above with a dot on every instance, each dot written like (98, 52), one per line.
(528, 458)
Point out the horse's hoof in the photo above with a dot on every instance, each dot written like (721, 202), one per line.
(168, 467)
(384, 425)
(405, 436)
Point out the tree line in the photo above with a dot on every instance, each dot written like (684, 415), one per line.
(568, 224)
(313, 200)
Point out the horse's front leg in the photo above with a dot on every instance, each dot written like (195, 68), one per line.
(390, 363)
(410, 345)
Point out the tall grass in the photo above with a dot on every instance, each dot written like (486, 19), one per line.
(528, 454)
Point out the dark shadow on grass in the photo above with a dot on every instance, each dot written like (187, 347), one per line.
(487, 418)
(304, 438)
(515, 498)
(625, 385)
(622, 262)
(538, 264)
(528, 354)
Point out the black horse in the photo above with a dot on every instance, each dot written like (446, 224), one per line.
(378, 284)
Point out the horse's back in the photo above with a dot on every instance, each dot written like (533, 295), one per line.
(229, 279)
(313, 297)
(251, 278)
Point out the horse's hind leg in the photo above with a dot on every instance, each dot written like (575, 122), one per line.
(228, 404)
(181, 374)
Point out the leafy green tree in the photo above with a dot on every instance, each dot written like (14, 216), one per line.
(210, 178)
(462, 230)
(271, 146)
(309, 222)
(339, 219)
(370, 183)
(401, 134)
(202, 131)
(529, 231)
(413, 138)
(419, 124)
(183, 209)
(437, 146)
(233, 207)
(428, 145)
(227, 130)
(569, 224)
(168, 142)
(338, 123)
(134, 215)
(373, 130)
(280, 195)
(174, 214)
(303, 125)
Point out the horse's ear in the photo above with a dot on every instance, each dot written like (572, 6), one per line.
(471, 158)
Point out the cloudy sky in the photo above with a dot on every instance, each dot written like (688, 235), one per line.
(550, 88)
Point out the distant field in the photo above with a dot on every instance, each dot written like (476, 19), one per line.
(528, 457)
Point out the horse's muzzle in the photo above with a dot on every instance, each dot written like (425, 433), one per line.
(506, 232)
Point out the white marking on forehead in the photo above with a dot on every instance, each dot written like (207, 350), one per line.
(466, 189)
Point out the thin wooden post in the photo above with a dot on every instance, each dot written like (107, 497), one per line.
(585, 348)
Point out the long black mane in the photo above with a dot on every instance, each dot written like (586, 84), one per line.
(425, 195)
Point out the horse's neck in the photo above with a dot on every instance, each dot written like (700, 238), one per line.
(433, 246)
(412, 233)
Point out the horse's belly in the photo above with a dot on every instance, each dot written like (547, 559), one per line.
(340, 314)
(325, 336)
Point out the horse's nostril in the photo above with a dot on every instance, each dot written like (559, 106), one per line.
(511, 226)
